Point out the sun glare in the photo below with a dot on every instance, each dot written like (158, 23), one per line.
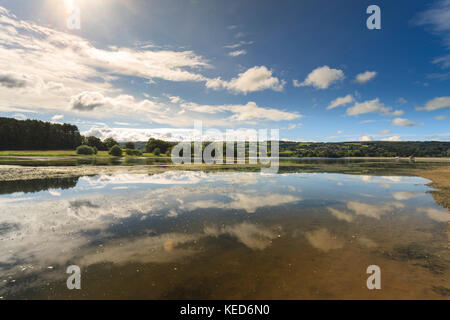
(70, 5)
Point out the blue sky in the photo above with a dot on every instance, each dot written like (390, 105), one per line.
(313, 69)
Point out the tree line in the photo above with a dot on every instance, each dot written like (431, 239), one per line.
(37, 135)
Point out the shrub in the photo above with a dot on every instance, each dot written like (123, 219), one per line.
(132, 152)
(156, 151)
(116, 151)
(85, 150)
(130, 145)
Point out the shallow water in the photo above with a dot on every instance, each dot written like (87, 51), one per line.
(223, 235)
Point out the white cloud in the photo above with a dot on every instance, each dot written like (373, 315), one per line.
(403, 122)
(237, 53)
(254, 79)
(443, 61)
(393, 138)
(294, 126)
(174, 99)
(385, 131)
(237, 45)
(57, 117)
(87, 101)
(248, 112)
(365, 76)
(340, 101)
(296, 83)
(323, 77)
(441, 117)
(438, 17)
(366, 138)
(436, 104)
(372, 106)
(402, 100)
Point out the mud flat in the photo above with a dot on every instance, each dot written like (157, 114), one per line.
(440, 178)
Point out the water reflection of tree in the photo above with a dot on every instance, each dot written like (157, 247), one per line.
(7, 187)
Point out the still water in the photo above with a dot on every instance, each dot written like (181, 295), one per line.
(223, 235)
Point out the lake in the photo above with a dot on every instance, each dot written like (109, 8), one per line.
(229, 234)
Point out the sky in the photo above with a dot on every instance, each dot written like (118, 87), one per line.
(311, 68)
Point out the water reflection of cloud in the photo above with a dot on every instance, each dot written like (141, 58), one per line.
(364, 209)
(341, 215)
(323, 240)
(405, 195)
(173, 178)
(157, 249)
(371, 210)
(251, 235)
(54, 193)
(247, 202)
(439, 215)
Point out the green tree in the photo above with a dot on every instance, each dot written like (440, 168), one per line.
(95, 142)
(116, 151)
(109, 143)
(156, 151)
(448, 153)
(130, 145)
(152, 144)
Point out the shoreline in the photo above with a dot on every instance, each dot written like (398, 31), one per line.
(440, 182)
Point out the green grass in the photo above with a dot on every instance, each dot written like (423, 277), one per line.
(62, 153)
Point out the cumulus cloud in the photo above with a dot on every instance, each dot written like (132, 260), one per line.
(372, 106)
(340, 101)
(322, 78)
(441, 118)
(254, 79)
(365, 76)
(87, 101)
(436, 104)
(403, 122)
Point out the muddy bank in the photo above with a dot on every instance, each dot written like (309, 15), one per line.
(440, 178)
